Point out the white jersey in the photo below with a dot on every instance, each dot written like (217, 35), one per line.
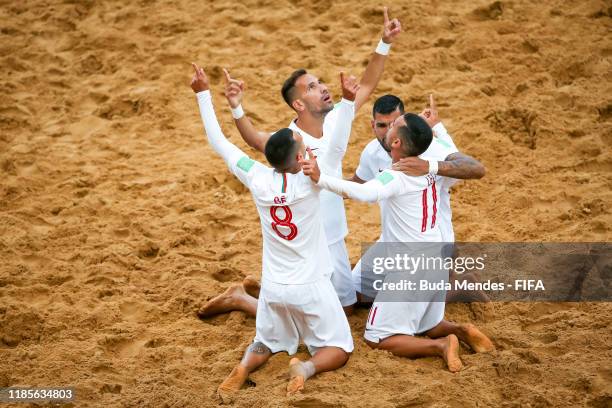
(408, 204)
(334, 215)
(374, 159)
(294, 243)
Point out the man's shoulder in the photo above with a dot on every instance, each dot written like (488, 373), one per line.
(387, 176)
(252, 168)
(442, 142)
(438, 150)
(372, 148)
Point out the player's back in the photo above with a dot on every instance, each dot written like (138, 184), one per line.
(411, 216)
(294, 242)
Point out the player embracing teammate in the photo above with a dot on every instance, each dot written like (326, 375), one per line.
(306, 275)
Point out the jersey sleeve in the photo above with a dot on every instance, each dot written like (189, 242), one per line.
(364, 169)
(237, 161)
(340, 136)
(446, 139)
(387, 184)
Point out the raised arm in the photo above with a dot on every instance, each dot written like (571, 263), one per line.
(342, 132)
(374, 70)
(233, 92)
(237, 161)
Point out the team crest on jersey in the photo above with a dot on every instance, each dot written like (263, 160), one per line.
(245, 164)
(385, 178)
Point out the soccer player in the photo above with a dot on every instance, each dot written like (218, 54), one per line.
(452, 165)
(316, 119)
(297, 300)
(408, 206)
(376, 156)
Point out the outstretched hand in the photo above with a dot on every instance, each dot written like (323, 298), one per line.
(350, 86)
(199, 81)
(234, 89)
(430, 114)
(310, 166)
(391, 28)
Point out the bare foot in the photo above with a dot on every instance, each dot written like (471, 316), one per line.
(225, 302)
(296, 380)
(252, 286)
(451, 353)
(232, 383)
(476, 339)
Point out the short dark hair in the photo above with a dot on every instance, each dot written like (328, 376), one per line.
(387, 104)
(288, 89)
(416, 135)
(280, 148)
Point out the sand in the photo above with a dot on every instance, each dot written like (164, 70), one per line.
(117, 221)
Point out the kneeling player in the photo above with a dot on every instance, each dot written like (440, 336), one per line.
(408, 205)
(297, 299)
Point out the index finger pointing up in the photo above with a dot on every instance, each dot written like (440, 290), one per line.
(227, 76)
(386, 14)
(432, 104)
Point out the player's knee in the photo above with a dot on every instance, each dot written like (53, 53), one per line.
(258, 347)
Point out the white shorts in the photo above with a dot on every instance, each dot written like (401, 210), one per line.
(310, 312)
(389, 318)
(341, 277)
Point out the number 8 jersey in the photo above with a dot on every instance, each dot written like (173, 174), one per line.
(295, 247)
(294, 242)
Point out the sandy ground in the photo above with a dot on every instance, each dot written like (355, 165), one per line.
(117, 220)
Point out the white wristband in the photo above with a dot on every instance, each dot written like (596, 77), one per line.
(383, 48)
(237, 112)
(433, 167)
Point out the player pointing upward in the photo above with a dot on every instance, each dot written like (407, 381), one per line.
(316, 118)
(297, 300)
(408, 207)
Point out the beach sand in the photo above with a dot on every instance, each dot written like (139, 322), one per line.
(117, 220)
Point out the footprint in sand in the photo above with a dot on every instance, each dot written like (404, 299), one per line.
(124, 347)
(227, 275)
